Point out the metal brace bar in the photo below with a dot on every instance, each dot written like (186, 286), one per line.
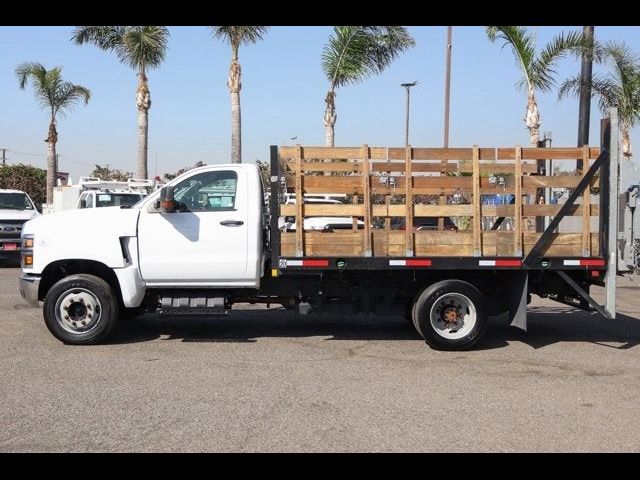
(499, 220)
(544, 238)
(572, 304)
(584, 294)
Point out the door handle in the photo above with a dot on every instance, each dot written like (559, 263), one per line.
(231, 223)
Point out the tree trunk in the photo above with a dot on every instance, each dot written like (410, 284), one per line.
(532, 118)
(143, 102)
(52, 173)
(584, 110)
(626, 142)
(235, 85)
(330, 118)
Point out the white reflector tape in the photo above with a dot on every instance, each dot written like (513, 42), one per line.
(294, 263)
(575, 263)
(397, 263)
(487, 263)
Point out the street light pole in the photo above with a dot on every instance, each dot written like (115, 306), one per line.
(447, 89)
(407, 86)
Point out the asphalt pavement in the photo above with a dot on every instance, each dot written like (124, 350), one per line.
(266, 380)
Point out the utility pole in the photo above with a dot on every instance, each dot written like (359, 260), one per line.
(447, 88)
(4, 156)
(407, 86)
(584, 112)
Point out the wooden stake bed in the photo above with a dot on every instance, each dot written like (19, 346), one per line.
(430, 202)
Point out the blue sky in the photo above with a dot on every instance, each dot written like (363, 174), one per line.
(283, 89)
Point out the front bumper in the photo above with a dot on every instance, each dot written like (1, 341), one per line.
(11, 254)
(29, 285)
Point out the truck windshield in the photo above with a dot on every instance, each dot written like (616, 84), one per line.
(117, 199)
(15, 201)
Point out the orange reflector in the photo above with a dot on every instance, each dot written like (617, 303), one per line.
(28, 259)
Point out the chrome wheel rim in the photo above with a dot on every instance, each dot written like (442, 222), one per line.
(78, 311)
(453, 316)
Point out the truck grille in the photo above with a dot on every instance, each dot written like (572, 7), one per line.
(11, 229)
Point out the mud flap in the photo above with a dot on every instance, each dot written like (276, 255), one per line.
(518, 300)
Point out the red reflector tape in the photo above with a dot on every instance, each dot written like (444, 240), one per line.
(315, 263)
(418, 263)
(592, 262)
(508, 263)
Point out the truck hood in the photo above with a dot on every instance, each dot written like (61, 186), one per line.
(91, 234)
(10, 214)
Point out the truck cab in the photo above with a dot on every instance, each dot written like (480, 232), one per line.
(210, 237)
(96, 193)
(108, 198)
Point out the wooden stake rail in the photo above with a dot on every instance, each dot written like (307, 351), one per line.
(401, 186)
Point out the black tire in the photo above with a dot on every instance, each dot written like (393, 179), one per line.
(74, 285)
(430, 296)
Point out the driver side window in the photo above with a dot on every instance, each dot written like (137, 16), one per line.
(207, 191)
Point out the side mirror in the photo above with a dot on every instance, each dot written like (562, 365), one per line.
(83, 203)
(167, 201)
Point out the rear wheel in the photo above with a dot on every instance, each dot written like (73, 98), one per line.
(450, 315)
(80, 309)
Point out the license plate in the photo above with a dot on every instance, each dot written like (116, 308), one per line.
(10, 246)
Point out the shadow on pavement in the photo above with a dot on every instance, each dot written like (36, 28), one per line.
(547, 326)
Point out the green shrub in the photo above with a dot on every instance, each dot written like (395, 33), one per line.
(29, 179)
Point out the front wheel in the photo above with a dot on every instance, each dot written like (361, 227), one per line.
(450, 315)
(80, 309)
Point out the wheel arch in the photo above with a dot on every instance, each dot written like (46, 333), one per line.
(60, 269)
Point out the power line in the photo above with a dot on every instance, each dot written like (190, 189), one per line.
(25, 153)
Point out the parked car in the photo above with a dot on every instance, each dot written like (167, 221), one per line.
(318, 223)
(426, 223)
(16, 207)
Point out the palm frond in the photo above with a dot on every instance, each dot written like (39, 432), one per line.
(51, 91)
(69, 94)
(603, 89)
(238, 35)
(104, 37)
(522, 43)
(354, 53)
(144, 46)
(543, 68)
(30, 69)
(137, 46)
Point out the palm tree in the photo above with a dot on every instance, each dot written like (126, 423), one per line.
(236, 36)
(141, 48)
(353, 54)
(620, 88)
(57, 96)
(538, 68)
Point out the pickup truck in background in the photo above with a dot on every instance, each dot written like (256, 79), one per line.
(16, 207)
(92, 192)
(210, 239)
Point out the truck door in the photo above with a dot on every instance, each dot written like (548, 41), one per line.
(204, 242)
